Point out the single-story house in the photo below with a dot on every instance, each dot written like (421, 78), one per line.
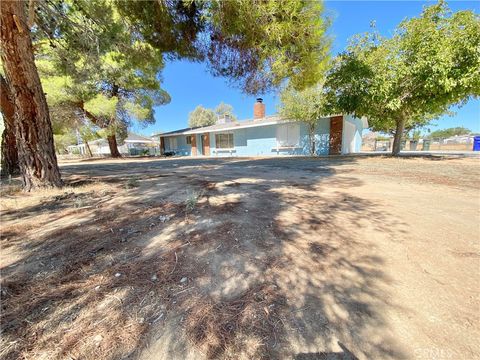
(134, 144)
(265, 136)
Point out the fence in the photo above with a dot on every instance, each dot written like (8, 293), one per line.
(457, 143)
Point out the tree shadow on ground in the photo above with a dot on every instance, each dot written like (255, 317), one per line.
(267, 264)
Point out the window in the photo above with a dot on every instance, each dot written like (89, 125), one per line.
(288, 135)
(224, 141)
(189, 140)
(173, 143)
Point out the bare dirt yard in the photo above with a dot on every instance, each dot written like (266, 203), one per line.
(286, 258)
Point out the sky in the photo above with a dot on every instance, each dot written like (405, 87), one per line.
(190, 84)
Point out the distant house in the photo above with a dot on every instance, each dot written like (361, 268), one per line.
(265, 136)
(134, 144)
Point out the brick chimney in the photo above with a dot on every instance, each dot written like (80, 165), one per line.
(259, 109)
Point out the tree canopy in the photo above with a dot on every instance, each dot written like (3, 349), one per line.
(400, 83)
(201, 116)
(445, 133)
(114, 78)
(257, 44)
(225, 110)
(306, 106)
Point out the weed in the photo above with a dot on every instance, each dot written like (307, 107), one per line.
(192, 200)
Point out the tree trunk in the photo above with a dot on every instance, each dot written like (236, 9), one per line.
(112, 144)
(112, 139)
(33, 129)
(312, 139)
(9, 152)
(397, 140)
(89, 151)
(9, 144)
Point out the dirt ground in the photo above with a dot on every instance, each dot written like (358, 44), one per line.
(285, 258)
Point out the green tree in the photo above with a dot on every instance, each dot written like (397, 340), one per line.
(431, 63)
(257, 45)
(222, 110)
(306, 106)
(121, 74)
(201, 116)
(445, 133)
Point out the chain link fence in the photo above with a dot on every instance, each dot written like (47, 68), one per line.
(456, 143)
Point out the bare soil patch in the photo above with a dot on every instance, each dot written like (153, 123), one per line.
(343, 258)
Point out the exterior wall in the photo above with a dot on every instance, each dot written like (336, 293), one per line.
(262, 141)
(352, 135)
(182, 147)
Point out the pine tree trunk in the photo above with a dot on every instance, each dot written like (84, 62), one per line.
(397, 140)
(9, 152)
(112, 139)
(312, 140)
(89, 151)
(112, 144)
(33, 129)
(9, 144)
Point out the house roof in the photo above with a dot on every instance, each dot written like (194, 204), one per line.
(135, 138)
(267, 120)
(177, 132)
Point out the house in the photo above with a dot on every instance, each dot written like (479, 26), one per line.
(134, 144)
(265, 136)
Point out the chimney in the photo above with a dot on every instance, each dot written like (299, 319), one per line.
(258, 109)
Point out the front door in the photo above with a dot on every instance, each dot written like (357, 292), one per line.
(336, 129)
(206, 144)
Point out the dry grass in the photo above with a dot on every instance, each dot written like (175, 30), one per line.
(89, 291)
(89, 298)
(93, 271)
(242, 325)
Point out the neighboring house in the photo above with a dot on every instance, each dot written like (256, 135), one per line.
(133, 145)
(265, 136)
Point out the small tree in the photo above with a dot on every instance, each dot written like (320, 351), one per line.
(306, 106)
(201, 116)
(222, 110)
(431, 63)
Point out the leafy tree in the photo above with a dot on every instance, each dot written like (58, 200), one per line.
(306, 106)
(431, 63)
(201, 116)
(121, 74)
(258, 45)
(222, 110)
(445, 133)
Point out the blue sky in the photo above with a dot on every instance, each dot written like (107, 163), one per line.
(189, 84)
